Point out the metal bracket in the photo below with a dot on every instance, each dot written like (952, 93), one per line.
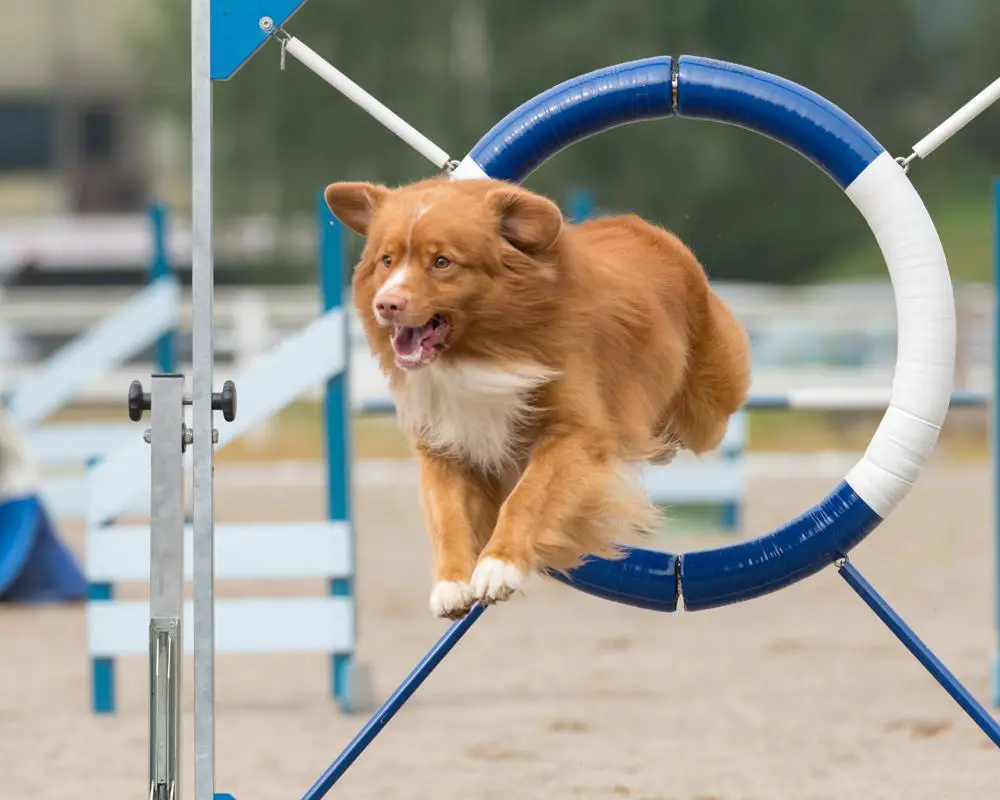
(165, 703)
(140, 401)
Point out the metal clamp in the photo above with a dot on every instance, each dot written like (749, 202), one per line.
(904, 162)
(140, 401)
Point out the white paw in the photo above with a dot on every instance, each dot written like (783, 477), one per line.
(494, 580)
(451, 599)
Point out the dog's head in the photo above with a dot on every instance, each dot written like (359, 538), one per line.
(444, 258)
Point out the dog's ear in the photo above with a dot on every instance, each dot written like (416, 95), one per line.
(355, 203)
(530, 222)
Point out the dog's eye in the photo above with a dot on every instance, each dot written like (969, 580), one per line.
(442, 262)
(387, 260)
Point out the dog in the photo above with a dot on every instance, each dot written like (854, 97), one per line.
(535, 366)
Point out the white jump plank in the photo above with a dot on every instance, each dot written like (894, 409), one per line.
(65, 497)
(131, 329)
(714, 481)
(73, 444)
(270, 551)
(250, 625)
(307, 358)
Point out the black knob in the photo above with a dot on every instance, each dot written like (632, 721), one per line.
(225, 401)
(138, 401)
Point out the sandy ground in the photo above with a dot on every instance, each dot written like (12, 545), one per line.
(798, 695)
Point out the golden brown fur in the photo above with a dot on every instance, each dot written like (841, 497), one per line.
(574, 351)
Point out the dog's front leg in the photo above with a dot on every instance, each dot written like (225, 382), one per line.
(561, 472)
(460, 511)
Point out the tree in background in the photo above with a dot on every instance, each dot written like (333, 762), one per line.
(750, 207)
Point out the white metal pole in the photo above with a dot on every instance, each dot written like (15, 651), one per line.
(943, 132)
(202, 286)
(339, 81)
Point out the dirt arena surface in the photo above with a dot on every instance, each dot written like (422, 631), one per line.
(800, 695)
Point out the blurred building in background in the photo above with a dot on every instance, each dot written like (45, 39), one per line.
(72, 136)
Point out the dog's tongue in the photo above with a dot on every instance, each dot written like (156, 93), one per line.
(406, 340)
(414, 344)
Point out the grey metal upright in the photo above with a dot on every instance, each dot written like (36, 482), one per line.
(166, 584)
(202, 340)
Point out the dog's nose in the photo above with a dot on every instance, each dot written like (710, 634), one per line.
(390, 306)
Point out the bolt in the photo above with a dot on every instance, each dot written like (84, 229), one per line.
(266, 24)
(188, 435)
(215, 436)
(147, 436)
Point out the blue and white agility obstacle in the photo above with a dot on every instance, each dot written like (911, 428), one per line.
(149, 319)
(226, 33)
(120, 553)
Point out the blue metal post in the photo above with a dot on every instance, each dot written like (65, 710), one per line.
(159, 267)
(337, 425)
(995, 448)
(581, 205)
(395, 701)
(921, 651)
(102, 670)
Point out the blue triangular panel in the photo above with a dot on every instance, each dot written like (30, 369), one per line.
(236, 31)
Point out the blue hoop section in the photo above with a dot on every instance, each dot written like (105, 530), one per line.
(572, 111)
(782, 110)
(778, 109)
(647, 579)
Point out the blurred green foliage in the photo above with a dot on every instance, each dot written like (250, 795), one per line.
(751, 208)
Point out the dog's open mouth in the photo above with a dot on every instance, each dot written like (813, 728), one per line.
(415, 347)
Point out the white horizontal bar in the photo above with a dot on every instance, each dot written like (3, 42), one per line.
(131, 329)
(833, 398)
(339, 81)
(244, 625)
(258, 550)
(64, 496)
(715, 481)
(309, 357)
(74, 443)
(943, 132)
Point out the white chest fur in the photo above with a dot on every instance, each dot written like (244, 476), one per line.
(470, 410)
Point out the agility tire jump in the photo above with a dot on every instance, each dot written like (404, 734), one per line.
(877, 185)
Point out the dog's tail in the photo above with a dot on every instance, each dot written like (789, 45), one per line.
(615, 513)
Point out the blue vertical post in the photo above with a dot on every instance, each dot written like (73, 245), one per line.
(337, 425)
(102, 670)
(581, 205)
(165, 354)
(995, 449)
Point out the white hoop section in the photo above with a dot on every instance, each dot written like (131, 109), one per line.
(879, 188)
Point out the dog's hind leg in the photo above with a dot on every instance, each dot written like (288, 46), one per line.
(716, 382)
